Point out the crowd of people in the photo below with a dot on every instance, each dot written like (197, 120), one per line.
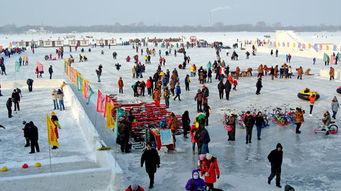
(165, 83)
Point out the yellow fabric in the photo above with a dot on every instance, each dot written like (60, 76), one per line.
(52, 137)
(110, 119)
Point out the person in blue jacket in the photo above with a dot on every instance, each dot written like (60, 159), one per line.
(195, 183)
(177, 92)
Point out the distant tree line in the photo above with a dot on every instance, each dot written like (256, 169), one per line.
(140, 28)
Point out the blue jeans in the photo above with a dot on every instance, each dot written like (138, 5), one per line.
(204, 148)
(61, 105)
(259, 131)
(55, 104)
(167, 102)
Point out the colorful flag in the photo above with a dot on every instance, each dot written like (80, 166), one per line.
(91, 92)
(73, 75)
(51, 133)
(17, 66)
(79, 82)
(100, 102)
(119, 113)
(69, 71)
(110, 119)
(325, 57)
(85, 89)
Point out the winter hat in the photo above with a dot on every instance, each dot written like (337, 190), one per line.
(208, 156)
(23, 122)
(195, 172)
(289, 188)
(202, 156)
(134, 187)
(279, 146)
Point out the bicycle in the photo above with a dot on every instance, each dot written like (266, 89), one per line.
(331, 129)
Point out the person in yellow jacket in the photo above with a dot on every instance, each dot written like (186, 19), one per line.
(192, 70)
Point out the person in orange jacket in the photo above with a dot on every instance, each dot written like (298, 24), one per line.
(299, 119)
(120, 85)
(211, 170)
(312, 99)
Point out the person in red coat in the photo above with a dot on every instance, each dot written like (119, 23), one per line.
(211, 170)
(193, 131)
(149, 85)
(134, 187)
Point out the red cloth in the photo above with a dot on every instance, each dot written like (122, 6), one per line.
(212, 168)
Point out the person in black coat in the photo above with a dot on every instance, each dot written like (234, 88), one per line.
(151, 157)
(16, 99)
(50, 71)
(186, 123)
(232, 122)
(260, 123)
(206, 110)
(203, 139)
(259, 85)
(249, 121)
(124, 129)
(221, 88)
(33, 136)
(275, 158)
(26, 130)
(227, 89)
(29, 84)
(9, 107)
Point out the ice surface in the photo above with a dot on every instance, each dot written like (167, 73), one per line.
(311, 162)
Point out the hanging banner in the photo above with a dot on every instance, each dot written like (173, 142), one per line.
(91, 92)
(110, 123)
(100, 102)
(17, 67)
(119, 113)
(73, 75)
(166, 137)
(85, 89)
(51, 133)
(79, 82)
(69, 72)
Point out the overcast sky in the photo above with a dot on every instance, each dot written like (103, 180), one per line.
(169, 12)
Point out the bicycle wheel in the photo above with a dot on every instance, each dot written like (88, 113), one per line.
(333, 129)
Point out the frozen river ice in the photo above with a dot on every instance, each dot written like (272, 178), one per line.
(311, 162)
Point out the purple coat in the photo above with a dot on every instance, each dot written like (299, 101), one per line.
(195, 184)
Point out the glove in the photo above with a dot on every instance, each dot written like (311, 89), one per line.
(158, 165)
(141, 165)
(217, 177)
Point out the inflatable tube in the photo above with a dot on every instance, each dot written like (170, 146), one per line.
(338, 90)
(305, 96)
